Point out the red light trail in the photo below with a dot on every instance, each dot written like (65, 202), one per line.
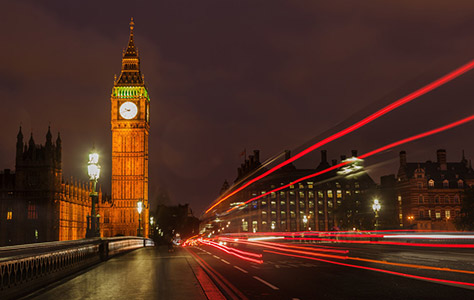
(410, 97)
(377, 270)
(386, 147)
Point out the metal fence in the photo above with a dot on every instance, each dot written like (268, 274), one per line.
(26, 268)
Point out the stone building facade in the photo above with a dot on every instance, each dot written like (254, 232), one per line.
(429, 193)
(36, 203)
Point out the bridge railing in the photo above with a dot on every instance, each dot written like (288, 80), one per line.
(25, 268)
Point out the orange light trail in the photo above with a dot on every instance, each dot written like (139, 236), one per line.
(410, 97)
(386, 147)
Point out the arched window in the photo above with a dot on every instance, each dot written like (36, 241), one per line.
(445, 183)
(431, 183)
(460, 184)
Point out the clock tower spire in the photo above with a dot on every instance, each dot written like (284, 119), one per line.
(130, 106)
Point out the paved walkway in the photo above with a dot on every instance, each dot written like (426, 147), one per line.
(147, 273)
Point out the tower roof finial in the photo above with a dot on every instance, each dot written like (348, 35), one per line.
(131, 24)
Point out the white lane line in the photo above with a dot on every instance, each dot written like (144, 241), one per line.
(266, 283)
(215, 256)
(241, 270)
(255, 267)
(225, 261)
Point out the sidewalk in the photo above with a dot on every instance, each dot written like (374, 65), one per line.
(147, 273)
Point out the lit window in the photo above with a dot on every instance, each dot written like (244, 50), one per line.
(320, 212)
(292, 186)
(273, 203)
(273, 195)
(311, 194)
(301, 195)
(356, 185)
(301, 203)
(292, 214)
(310, 184)
(339, 194)
(320, 194)
(431, 183)
(264, 202)
(330, 204)
(447, 213)
(311, 204)
(9, 215)
(292, 202)
(282, 203)
(300, 185)
(330, 195)
(438, 215)
(282, 195)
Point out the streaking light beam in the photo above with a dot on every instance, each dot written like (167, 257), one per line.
(410, 97)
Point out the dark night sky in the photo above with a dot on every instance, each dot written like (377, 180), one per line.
(235, 74)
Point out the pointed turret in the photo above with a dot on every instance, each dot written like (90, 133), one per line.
(130, 74)
(31, 142)
(49, 142)
(19, 140)
(19, 145)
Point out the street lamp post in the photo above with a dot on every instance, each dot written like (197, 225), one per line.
(93, 170)
(305, 222)
(139, 209)
(152, 221)
(376, 207)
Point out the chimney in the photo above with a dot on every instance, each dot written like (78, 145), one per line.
(251, 159)
(441, 155)
(354, 153)
(403, 159)
(287, 154)
(324, 157)
(334, 162)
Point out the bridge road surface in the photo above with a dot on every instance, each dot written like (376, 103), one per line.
(146, 273)
(283, 277)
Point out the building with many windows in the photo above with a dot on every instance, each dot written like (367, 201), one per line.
(429, 193)
(338, 199)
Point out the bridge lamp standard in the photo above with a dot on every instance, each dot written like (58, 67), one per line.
(376, 207)
(305, 222)
(93, 170)
(152, 221)
(139, 209)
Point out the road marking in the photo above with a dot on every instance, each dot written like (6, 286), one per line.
(255, 267)
(225, 261)
(266, 283)
(241, 270)
(215, 256)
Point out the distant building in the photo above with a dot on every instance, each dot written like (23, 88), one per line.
(429, 194)
(331, 201)
(36, 203)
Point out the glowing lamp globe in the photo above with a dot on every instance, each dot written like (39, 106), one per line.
(139, 207)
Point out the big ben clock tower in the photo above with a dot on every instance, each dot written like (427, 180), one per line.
(130, 127)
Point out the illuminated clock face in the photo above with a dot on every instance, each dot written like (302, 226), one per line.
(128, 110)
